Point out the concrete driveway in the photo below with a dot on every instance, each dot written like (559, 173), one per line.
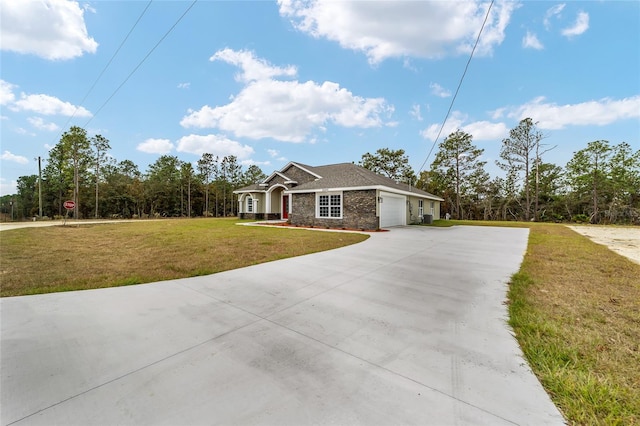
(408, 327)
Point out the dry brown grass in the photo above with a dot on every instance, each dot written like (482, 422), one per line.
(575, 307)
(72, 257)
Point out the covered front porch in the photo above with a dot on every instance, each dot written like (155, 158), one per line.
(267, 204)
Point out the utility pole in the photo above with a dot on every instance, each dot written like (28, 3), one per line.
(40, 186)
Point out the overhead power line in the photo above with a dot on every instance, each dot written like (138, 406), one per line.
(458, 88)
(141, 62)
(117, 50)
(104, 69)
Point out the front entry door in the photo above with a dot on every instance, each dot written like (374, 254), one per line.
(285, 207)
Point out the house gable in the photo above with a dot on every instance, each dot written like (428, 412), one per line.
(341, 196)
(299, 174)
(275, 178)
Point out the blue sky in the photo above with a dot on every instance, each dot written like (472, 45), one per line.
(312, 81)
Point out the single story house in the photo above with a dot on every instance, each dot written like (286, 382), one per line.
(336, 196)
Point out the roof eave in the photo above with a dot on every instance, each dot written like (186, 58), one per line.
(363, 188)
(246, 191)
(293, 163)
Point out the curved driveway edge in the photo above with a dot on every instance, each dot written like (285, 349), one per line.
(408, 327)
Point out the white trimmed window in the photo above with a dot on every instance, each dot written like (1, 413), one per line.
(249, 204)
(433, 205)
(329, 205)
(420, 208)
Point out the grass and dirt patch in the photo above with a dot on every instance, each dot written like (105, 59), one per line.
(575, 308)
(79, 257)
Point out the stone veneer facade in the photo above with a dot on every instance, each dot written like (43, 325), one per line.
(358, 211)
(259, 216)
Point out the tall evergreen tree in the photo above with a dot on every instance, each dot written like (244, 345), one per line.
(186, 176)
(458, 159)
(231, 174)
(207, 168)
(390, 163)
(624, 167)
(163, 186)
(100, 146)
(27, 187)
(78, 148)
(58, 179)
(517, 152)
(252, 175)
(588, 173)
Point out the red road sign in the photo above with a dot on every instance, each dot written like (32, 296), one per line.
(69, 205)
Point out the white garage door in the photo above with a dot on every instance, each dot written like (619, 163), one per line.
(392, 210)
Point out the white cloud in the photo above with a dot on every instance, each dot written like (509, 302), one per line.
(41, 104)
(486, 130)
(6, 93)
(155, 146)
(48, 105)
(552, 12)
(8, 156)
(87, 7)
(250, 162)
(498, 113)
(253, 68)
(480, 130)
(184, 85)
(599, 113)
(382, 30)
(215, 144)
(439, 91)
(23, 131)
(8, 187)
(415, 112)
(531, 41)
(39, 123)
(275, 154)
(285, 110)
(549, 116)
(580, 26)
(53, 29)
(288, 110)
(406, 63)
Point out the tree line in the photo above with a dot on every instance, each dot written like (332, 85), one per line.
(79, 168)
(600, 184)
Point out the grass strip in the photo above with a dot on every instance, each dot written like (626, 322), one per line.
(575, 308)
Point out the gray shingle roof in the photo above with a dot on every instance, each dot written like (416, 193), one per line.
(344, 176)
(349, 175)
(251, 188)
